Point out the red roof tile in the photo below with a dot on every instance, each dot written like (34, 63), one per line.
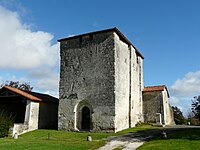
(32, 95)
(155, 88)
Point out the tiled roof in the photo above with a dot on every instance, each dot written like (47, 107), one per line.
(32, 95)
(155, 88)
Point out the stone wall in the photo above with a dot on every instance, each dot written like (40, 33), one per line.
(157, 102)
(168, 112)
(128, 85)
(87, 74)
(103, 72)
(30, 121)
(19, 128)
(122, 84)
(152, 104)
(32, 115)
(137, 85)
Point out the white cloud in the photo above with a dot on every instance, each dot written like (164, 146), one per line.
(44, 80)
(184, 103)
(48, 85)
(183, 90)
(71, 35)
(22, 48)
(174, 101)
(14, 4)
(30, 51)
(49, 82)
(188, 86)
(52, 93)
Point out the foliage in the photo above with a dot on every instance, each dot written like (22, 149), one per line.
(16, 84)
(6, 121)
(38, 139)
(194, 121)
(181, 140)
(178, 115)
(196, 106)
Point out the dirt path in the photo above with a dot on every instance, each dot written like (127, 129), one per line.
(132, 141)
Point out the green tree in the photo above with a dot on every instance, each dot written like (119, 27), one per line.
(178, 115)
(16, 84)
(196, 106)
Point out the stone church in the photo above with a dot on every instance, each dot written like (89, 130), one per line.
(101, 82)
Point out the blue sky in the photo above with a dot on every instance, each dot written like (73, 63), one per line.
(166, 32)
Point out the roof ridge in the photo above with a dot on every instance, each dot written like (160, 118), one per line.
(23, 93)
(156, 88)
(33, 96)
(115, 29)
(86, 33)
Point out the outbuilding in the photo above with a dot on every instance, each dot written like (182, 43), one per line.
(31, 110)
(156, 107)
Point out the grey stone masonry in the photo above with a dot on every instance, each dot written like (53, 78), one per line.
(156, 105)
(96, 91)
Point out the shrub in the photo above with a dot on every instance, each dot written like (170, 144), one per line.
(6, 121)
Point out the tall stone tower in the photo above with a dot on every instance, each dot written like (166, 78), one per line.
(101, 82)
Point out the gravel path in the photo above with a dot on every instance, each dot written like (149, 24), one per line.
(125, 145)
(132, 141)
(126, 142)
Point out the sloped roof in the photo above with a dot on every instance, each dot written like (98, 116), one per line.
(155, 88)
(32, 95)
(115, 29)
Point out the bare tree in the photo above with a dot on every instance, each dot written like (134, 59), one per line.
(190, 114)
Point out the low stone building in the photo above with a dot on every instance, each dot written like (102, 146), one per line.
(101, 82)
(31, 110)
(156, 107)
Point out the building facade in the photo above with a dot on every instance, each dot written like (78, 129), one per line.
(156, 107)
(101, 82)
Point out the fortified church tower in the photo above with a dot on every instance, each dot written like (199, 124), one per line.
(101, 82)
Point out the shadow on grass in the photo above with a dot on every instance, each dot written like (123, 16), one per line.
(157, 134)
(172, 133)
(177, 139)
(190, 134)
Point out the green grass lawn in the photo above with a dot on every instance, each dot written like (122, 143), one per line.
(38, 140)
(181, 140)
(60, 140)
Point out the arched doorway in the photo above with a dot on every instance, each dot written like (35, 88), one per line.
(85, 120)
(83, 116)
